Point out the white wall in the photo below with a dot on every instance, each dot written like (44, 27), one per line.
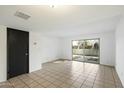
(43, 49)
(34, 52)
(3, 63)
(107, 46)
(50, 48)
(120, 50)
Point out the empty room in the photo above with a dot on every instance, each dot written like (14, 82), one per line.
(61, 46)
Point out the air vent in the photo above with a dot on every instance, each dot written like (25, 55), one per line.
(22, 15)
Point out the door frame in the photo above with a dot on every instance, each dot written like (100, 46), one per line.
(81, 40)
(8, 52)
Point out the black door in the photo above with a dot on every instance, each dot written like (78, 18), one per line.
(17, 52)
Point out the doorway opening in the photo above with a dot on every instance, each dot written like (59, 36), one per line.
(86, 50)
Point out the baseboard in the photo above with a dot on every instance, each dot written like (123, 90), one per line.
(60, 59)
(52, 61)
(106, 65)
(57, 60)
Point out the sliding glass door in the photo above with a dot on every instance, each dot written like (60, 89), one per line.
(86, 50)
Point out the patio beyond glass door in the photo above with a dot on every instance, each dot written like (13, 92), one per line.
(86, 50)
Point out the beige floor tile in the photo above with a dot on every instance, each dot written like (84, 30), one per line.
(18, 84)
(40, 81)
(38, 86)
(33, 84)
(119, 85)
(29, 81)
(88, 83)
(46, 84)
(98, 86)
(5, 85)
(99, 83)
(80, 80)
(86, 86)
(77, 84)
(65, 85)
(109, 82)
(52, 86)
(58, 83)
(109, 86)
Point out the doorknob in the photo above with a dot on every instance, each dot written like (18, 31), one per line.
(26, 54)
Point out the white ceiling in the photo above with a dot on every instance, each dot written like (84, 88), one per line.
(62, 20)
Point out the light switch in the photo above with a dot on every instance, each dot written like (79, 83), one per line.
(35, 43)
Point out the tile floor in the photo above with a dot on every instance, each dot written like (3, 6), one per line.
(67, 74)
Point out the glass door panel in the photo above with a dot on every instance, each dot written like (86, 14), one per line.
(86, 50)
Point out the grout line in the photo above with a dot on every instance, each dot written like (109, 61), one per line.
(84, 80)
(95, 79)
(10, 84)
(23, 82)
(44, 78)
